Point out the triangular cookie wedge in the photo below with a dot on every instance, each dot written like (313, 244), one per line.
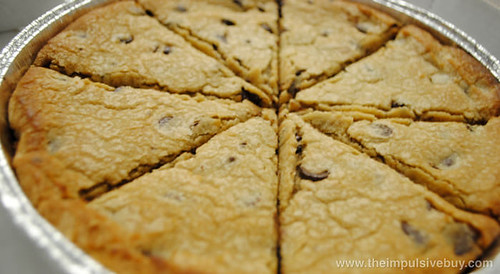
(338, 205)
(112, 135)
(318, 38)
(242, 34)
(455, 160)
(413, 76)
(120, 45)
(215, 210)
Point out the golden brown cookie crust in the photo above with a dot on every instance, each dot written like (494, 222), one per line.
(336, 203)
(124, 44)
(120, 45)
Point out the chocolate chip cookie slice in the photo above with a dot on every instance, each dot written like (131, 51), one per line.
(337, 204)
(318, 38)
(242, 34)
(120, 45)
(215, 210)
(455, 160)
(109, 136)
(413, 76)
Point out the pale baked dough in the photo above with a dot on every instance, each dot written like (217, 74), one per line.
(318, 38)
(152, 181)
(242, 34)
(120, 45)
(215, 210)
(413, 76)
(111, 135)
(339, 204)
(455, 160)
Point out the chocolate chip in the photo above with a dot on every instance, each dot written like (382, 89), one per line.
(395, 104)
(223, 37)
(246, 95)
(127, 39)
(413, 233)
(149, 13)
(181, 8)
(462, 236)
(383, 130)
(292, 90)
(429, 205)
(231, 159)
(214, 46)
(244, 144)
(299, 149)
(308, 175)
(227, 22)
(164, 121)
(266, 27)
(261, 9)
(361, 28)
(238, 2)
(167, 50)
(298, 137)
(299, 72)
(447, 162)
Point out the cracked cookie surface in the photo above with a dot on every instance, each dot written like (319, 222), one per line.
(242, 34)
(413, 76)
(214, 210)
(318, 38)
(360, 208)
(443, 156)
(119, 44)
(110, 135)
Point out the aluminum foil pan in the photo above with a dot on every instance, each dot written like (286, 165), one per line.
(18, 55)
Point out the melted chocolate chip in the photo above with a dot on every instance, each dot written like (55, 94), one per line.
(299, 72)
(127, 39)
(244, 144)
(298, 137)
(299, 149)
(167, 50)
(383, 130)
(223, 37)
(181, 8)
(429, 205)
(238, 2)
(246, 95)
(447, 162)
(413, 233)
(462, 236)
(164, 121)
(361, 28)
(266, 27)
(261, 9)
(395, 104)
(231, 159)
(228, 22)
(292, 90)
(308, 175)
(149, 13)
